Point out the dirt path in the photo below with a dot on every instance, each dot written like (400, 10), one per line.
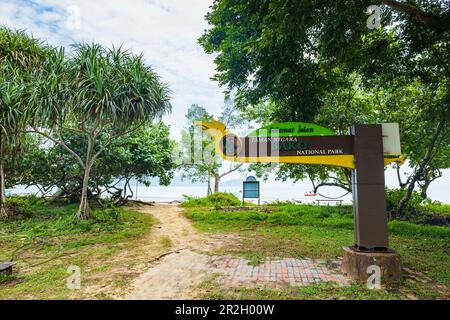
(187, 262)
(190, 261)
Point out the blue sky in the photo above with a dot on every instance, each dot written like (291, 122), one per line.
(166, 32)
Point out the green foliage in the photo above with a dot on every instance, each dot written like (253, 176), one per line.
(393, 197)
(318, 61)
(82, 101)
(48, 240)
(221, 216)
(404, 228)
(287, 52)
(216, 200)
(418, 210)
(198, 158)
(22, 205)
(437, 208)
(140, 154)
(46, 222)
(21, 58)
(338, 217)
(96, 94)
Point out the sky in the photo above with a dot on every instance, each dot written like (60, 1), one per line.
(166, 32)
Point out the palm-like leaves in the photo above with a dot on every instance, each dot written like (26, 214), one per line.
(93, 91)
(21, 58)
(96, 91)
(114, 86)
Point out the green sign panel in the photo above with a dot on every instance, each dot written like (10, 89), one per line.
(287, 129)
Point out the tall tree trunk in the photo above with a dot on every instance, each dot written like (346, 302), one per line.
(419, 171)
(84, 209)
(2, 190)
(208, 191)
(2, 183)
(424, 189)
(216, 182)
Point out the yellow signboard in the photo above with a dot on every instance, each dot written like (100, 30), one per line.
(261, 146)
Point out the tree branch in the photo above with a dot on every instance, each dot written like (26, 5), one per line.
(60, 142)
(417, 14)
(419, 171)
(331, 184)
(230, 171)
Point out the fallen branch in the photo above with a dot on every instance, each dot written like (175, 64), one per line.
(166, 254)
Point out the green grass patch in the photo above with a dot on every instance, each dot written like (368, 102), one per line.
(49, 238)
(318, 232)
(320, 291)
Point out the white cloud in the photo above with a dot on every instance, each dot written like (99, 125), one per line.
(165, 31)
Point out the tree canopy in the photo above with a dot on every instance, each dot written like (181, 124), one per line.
(322, 61)
(82, 100)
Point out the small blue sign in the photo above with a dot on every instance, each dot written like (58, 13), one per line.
(251, 188)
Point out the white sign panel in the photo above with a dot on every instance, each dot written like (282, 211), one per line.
(391, 139)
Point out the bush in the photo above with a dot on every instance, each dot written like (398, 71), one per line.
(437, 208)
(393, 197)
(216, 200)
(22, 205)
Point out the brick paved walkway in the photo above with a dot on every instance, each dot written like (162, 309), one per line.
(295, 272)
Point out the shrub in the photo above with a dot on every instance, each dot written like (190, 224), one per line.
(216, 200)
(437, 208)
(22, 205)
(393, 197)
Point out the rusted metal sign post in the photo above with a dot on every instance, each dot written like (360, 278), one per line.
(366, 151)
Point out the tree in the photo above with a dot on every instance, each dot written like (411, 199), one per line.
(97, 91)
(140, 155)
(424, 132)
(288, 55)
(199, 159)
(287, 50)
(20, 60)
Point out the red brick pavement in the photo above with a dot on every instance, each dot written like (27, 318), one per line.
(295, 272)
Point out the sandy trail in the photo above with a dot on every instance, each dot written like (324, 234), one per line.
(191, 260)
(175, 275)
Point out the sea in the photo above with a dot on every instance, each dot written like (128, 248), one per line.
(270, 191)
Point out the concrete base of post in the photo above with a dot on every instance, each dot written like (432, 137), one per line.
(356, 263)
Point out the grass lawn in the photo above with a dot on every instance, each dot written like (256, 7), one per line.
(48, 239)
(297, 231)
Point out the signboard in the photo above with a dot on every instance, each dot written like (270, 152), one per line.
(293, 142)
(286, 146)
(250, 189)
(366, 151)
(391, 139)
(286, 129)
